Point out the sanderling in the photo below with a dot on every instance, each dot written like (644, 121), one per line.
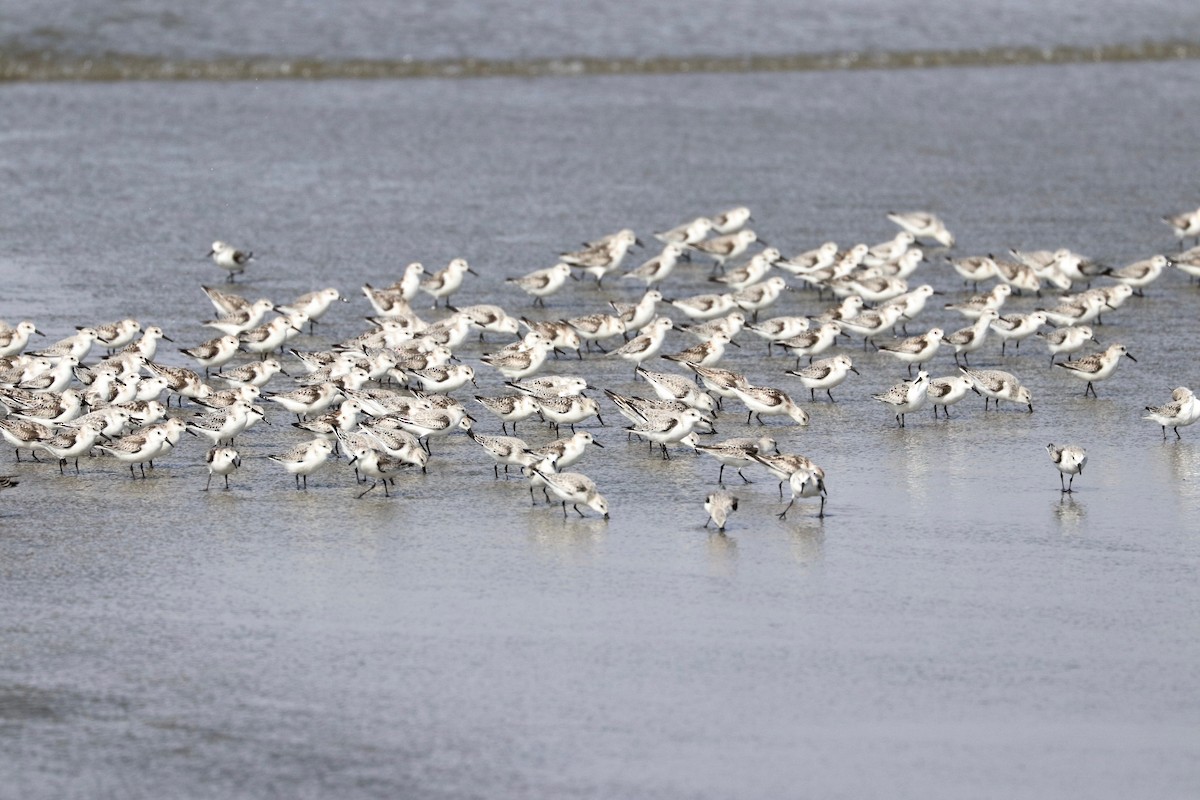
(267, 337)
(705, 353)
(669, 386)
(777, 329)
(73, 441)
(14, 339)
(490, 318)
(720, 382)
(871, 323)
(810, 260)
(889, 252)
(646, 344)
(51, 408)
(1017, 275)
(730, 324)
(705, 306)
(221, 461)
(551, 386)
(229, 258)
(973, 306)
(751, 272)
(387, 302)
(214, 353)
(224, 302)
(923, 225)
(638, 315)
(761, 400)
(722, 248)
(574, 488)
(568, 410)
(730, 220)
(907, 397)
(136, 448)
(308, 400)
(687, 233)
(1097, 366)
(24, 434)
(1183, 410)
(506, 450)
(241, 319)
(1188, 262)
(760, 295)
(1067, 340)
(597, 327)
(1076, 311)
(376, 465)
(974, 269)
(76, 346)
(661, 428)
(253, 374)
(304, 459)
(1141, 274)
(813, 342)
(825, 374)
(180, 380)
(147, 345)
(719, 505)
(410, 282)
(916, 349)
(995, 384)
(655, 270)
(874, 289)
(565, 452)
(227, 397)
(1016, 327)
(445, 282)
(947, 391)
(114, 335)
(340, 420)
(805, 478)
(967, 340)
(522, 361)
(911, 303)
(1068, 460)
(904, 266)
(542, 283)
(602, 256)
(313, 304)
(1185, 225)
(737, 452)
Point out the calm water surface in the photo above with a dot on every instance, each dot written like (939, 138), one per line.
(954, 627)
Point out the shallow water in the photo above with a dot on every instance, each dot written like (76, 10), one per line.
(953, 627)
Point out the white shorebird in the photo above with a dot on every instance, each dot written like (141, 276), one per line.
(600, 257)
(907, 397)
(645, 344)
(737, 453)
(541, 283)
(506, 450)
(137, 448)
(974, 269)
(313, 304)
(1183, 410)
(805, 479)
(967, 340)
(215, 353)
(669, 386)
(221, 461)
(230, 259)
(812, 342)
(304, 459)
(14, 339)
(719, 505)
(1068, 460)
(115, 335)
(509, 408)
(446, 281)
(686, 233)
(923, 225)
(730, 220)
(761, 400)
(1141, 274)
(655, 270)
(1017, 327)
(825, 374)
(1070, 339)
(1097, 366)
(722, 248)
(1186, 225)
(995, 384)
(973, 306)
(574, 488)
(947, 391)
(916, 349)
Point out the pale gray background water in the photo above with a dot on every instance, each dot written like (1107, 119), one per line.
(953, 628)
